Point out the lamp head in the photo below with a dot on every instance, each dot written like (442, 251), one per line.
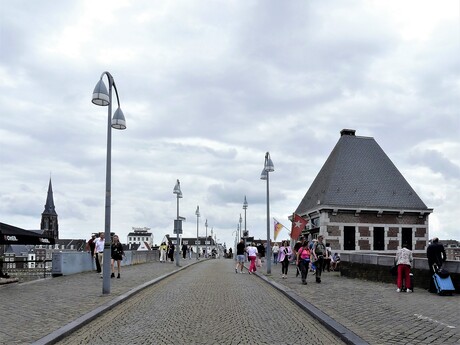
(268, 163)
(100, 94)
(118, 120)
(197, 212)
(245, 203)
(177, 189)
(264, 174)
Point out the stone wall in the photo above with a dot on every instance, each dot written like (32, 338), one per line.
(377, 268)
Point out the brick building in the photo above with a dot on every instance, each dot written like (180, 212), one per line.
(361, 202)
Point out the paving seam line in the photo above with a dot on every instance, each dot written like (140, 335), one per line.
(348, 336)
(73, 326)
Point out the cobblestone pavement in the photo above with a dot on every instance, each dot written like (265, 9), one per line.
(376, 312)
(30, 311)
(205, 304)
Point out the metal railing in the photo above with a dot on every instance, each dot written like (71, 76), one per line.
(26, 271)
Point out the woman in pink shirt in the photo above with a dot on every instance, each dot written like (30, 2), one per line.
(303, 261)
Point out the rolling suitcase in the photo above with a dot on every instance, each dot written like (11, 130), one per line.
(443, 283)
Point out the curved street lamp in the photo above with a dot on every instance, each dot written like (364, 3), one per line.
(241, 228)
(206, 239)
(268, 168)
(178, 223)
(197, 213)
(103, 98)
(245, 207)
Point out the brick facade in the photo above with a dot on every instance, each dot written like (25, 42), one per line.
(373, 231)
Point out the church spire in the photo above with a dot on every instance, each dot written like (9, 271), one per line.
(49, 222)
(49, 206)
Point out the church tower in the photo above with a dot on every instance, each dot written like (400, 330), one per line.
(49, 223)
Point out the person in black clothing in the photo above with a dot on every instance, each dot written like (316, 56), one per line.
(240, 250)
(117, 255)
(90, 247)
(435, 254)
(171, 251)
(319, 253)
(296, 248)
(184, 251)
(261, 253)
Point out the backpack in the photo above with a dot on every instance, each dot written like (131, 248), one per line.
(320, 248)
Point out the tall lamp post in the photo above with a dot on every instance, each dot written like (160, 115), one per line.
(197, 212)
(241, 228)
(206, 239)
(245, 207)
(103, 98)
(178, 222)
(212, 230)
(268, 167)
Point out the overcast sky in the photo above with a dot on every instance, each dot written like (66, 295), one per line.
(207, 87)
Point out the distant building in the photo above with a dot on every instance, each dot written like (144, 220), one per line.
(360, 201)
(141, 235)
(202, 243)
(49, 223)
(452, 248)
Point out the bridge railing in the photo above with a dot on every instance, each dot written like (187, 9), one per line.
(65, 263)
(377, 268)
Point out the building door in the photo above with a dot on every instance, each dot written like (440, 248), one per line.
(406, 237)
(379, 238)
(349, 234)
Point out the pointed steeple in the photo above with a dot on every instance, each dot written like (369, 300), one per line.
(49, 223)
(49, 206)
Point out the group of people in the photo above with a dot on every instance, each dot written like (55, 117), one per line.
(95, 246)
(167, 252)
(308, 256)
(436, 256)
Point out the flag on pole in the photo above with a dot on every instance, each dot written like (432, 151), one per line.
(278, 226)
(298, 224)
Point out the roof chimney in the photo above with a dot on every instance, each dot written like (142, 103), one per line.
(347, 132)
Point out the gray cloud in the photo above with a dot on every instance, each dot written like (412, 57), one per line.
(207, 89)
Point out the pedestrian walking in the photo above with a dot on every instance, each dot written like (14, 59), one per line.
(252, 255)
(240, 256)
(436, 255)
(260, 255)
(303, 261)
(284, 257)
(297, 246)
(117, 254)
(276, 250)
(184, 251)
(327, 259)
(404, 263)
(319, 253)
(90, 248)
(190, 252)
(163, 251)
(99, 251)
(171, 252)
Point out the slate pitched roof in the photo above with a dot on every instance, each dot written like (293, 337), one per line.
(358, 174)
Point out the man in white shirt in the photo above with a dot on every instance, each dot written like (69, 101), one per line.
(99, 249)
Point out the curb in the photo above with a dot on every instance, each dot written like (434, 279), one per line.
(338, 329)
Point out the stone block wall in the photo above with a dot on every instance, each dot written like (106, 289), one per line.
(377, 268)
